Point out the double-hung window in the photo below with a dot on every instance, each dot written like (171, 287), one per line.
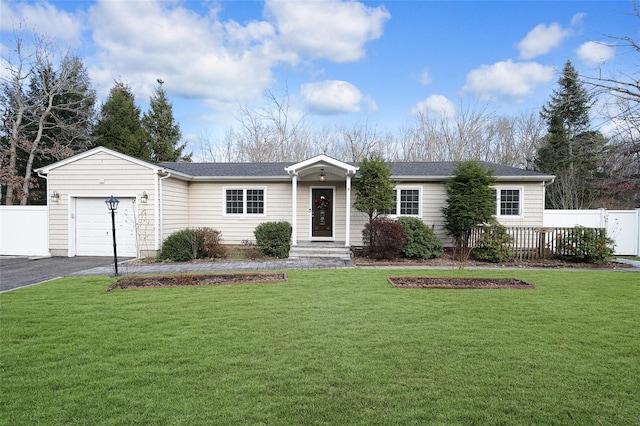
(408, 202)
(508, 201)
(244, 201)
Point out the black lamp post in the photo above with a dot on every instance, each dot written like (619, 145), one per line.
(112, 205)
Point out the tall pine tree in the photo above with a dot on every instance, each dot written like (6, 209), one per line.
(162, 133)
(119, 127)
(570, 151)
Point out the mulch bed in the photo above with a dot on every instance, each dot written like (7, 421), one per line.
(447, 282)
(196, 280)
(448, 261)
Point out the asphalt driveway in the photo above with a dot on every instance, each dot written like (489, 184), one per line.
(21, 271)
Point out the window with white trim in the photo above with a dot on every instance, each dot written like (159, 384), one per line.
(508, 201)
(408, 201)
(244, 201)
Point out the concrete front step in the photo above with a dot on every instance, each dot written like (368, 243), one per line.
(320, 250)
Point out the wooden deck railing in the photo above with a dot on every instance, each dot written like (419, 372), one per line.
(536, 242)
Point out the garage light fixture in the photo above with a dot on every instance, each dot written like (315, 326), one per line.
(55, 197)
(144, 198)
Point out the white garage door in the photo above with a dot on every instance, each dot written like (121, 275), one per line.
(94, 227)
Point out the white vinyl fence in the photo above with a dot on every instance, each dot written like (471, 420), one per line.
(623, 226)
(23, 231)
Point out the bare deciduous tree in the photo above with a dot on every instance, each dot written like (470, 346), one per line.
(474, 133)
(47, 108)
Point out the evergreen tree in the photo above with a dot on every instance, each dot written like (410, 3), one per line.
(471, 202)
(162, 133)
(570, 102)
(373, 187)
(119, 127)
(570, 151)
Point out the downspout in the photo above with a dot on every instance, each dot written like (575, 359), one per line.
(158, 207)
(544, 190)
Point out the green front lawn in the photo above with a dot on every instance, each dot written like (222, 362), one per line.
(328, 347)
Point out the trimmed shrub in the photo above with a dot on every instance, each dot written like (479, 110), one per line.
(181, 246)
(587, 245)
(209, 242)
(495, 244)
(384, 238)
(421, 241)
(274, 238)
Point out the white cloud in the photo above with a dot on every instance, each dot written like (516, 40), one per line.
(507, 78)
(425, 78)
(333, 97)
(577, 19)
(593, 52)
(541, 40)
(437, 104)
(197, 56)
(333, 30)
(200, 56)
(44, 19)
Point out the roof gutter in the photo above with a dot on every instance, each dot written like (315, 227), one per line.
(240, 178)
(157, 205)
(544, 178)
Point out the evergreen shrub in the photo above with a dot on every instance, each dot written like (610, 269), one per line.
(181, 246)
(587, 245)
(495, 244)
(421, 241)
(274, 238)
(384, 238)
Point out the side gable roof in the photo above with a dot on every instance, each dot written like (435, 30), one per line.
(442, 170)
(228, 170)
(433, 171)
(417, 171)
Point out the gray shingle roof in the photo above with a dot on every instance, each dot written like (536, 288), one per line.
(229, 169)
(399, 170)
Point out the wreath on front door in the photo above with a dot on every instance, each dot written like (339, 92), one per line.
(322, 202)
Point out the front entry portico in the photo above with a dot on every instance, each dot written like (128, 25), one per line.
(324, 177)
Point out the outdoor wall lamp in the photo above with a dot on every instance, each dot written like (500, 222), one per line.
(321, 178)
(112, 205)
(144, 198)
(55, 197)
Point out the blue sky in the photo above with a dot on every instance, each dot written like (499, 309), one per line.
(342, 62)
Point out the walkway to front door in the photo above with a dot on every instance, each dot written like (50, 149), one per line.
(322, 213)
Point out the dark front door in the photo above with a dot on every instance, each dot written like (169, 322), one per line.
(322, 212)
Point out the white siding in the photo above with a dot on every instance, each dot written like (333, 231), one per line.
(175, 206)
(532, 204)
(206, 204)
(434, 200)
(100, 176)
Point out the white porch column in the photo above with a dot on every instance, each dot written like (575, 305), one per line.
(294, 208)
(348, 210)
